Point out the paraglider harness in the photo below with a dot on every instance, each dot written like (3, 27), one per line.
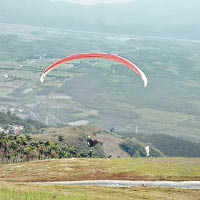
(91, 142)
(112, 129)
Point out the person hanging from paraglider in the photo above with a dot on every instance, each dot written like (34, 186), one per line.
(112, 130)
(91, 141)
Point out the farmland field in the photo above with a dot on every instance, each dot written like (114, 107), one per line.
(98, 91)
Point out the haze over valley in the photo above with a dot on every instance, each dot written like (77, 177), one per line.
(97, 91)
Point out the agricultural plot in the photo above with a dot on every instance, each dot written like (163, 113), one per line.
(169, 104)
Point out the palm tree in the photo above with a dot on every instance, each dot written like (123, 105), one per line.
(60, 138)
(28, 138)
(72, 151)
(91, 153)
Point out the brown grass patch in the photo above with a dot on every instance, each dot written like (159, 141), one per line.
(102, 169)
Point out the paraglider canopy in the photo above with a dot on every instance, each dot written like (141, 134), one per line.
(96, 55)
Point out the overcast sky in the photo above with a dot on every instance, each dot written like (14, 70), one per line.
(90, 2)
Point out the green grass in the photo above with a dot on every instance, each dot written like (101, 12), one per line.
(16, 180)
(4, 91)
(21, 191)
(176, 169)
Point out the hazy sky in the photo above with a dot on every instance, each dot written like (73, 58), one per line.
(96, 1)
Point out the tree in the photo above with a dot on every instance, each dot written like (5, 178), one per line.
(60, 138)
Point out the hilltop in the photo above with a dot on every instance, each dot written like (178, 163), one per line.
(116, 145)
(111, 143)
(38, 141)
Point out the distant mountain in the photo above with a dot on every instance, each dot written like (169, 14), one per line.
(174, 18)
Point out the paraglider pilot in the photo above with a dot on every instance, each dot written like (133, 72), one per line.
(112, 129)
(91, 142)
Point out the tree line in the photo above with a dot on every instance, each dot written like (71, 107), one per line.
(135, 148)
(170, 145)
(21, 148)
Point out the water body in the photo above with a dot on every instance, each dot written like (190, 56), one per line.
(124, 183)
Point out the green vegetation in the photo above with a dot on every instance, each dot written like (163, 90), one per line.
(8, 122)
(171, 146)
(163, 168)
(74, 136)
(64, 142)
(136, 148)
(22, 191)
(16, 148)
(102, 92)
(13, 191)
(22, 148)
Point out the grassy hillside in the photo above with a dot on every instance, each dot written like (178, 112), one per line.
(175, 169)
(71, 141)
(171, 146)
(117, 146)
(74, 136)
(135, 148)
(54, 143)
(111, 145)
(8, 121)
